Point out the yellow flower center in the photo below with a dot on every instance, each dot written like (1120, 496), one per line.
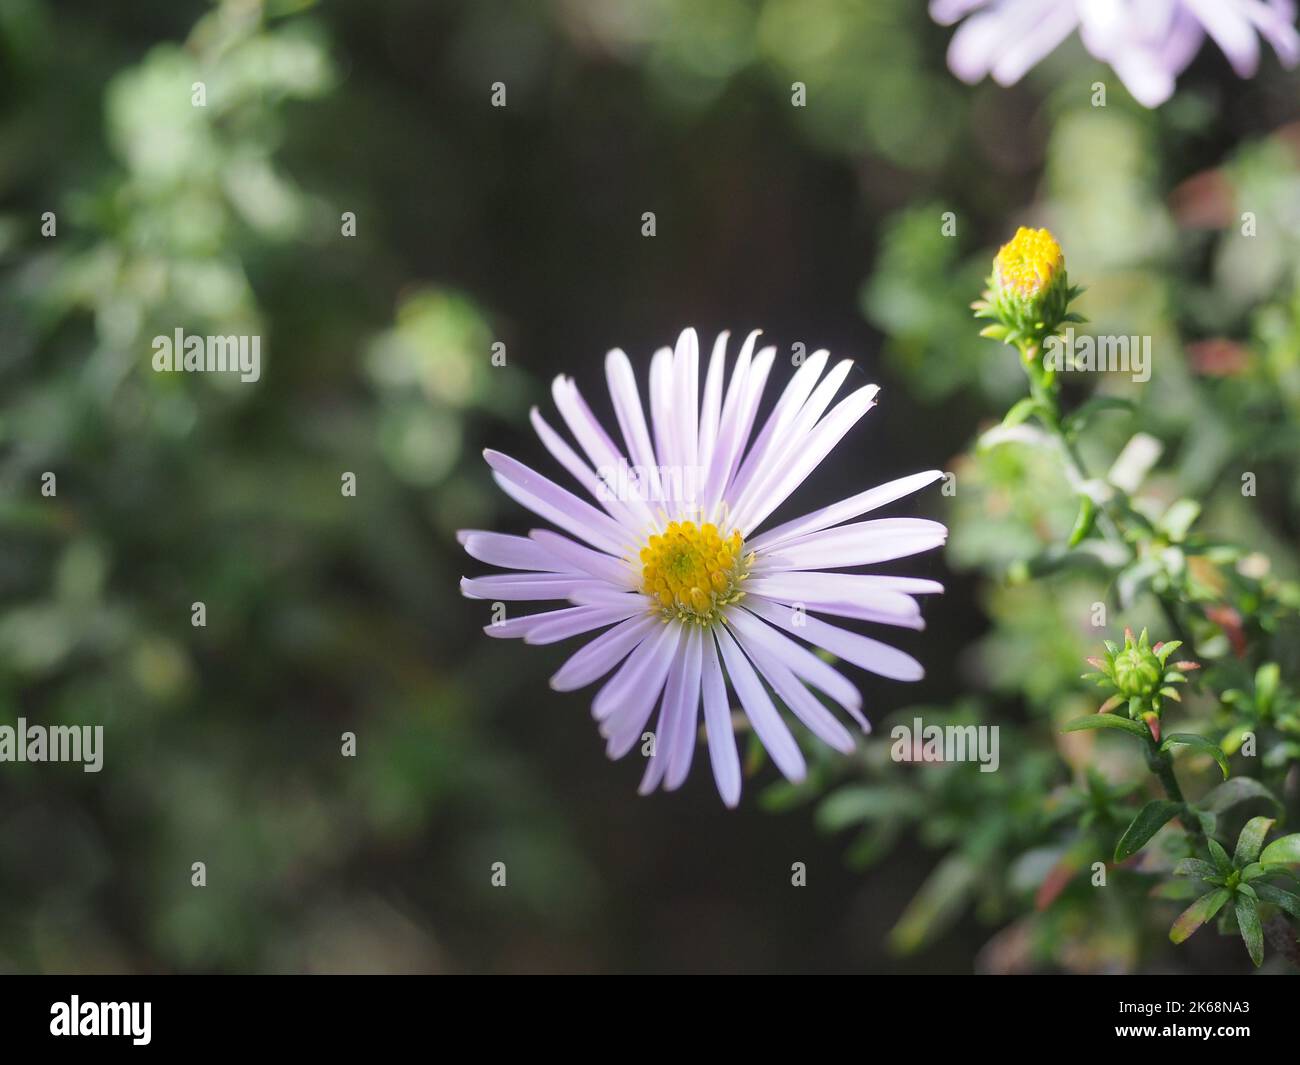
(693, 571)
(1029, 261)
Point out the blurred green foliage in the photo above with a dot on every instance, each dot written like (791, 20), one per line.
(328, 614)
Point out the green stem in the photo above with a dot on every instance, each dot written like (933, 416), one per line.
(1044, 390)
(1162, 765)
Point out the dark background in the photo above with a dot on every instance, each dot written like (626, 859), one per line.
(326, 614)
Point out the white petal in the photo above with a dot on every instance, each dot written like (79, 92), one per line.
(682, 751)
(711, 412)
(1147, 82)
(557, 505)
(848, 610)
(583, 424)
(871, 655)
(737, 420)
(862, 503)
(801, 702)
(665, 723)
(630, 682)
(768, 726)
(1038, 36)
(1231, 31)
(881, 605)
(617, 571)
(522, 587)
(1276, 22)
(661, 401)
(518, 628)
(631, 418)
(600, 594)
(675, 729)
(585, 619)
(797, 466)
(975, 45)
(686, 400)
(625, 720)
(717, 727)
(724, 448)
(582, 473)
(595, 659)
(860, 544)
(787, 407)
(799, 660)
(946, 12)
(509, 552)
(790, 437)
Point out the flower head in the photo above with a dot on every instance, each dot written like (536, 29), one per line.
(1029, 292)
(667, 558)
(1029, 263)
(1139, 678)
(1148, 43)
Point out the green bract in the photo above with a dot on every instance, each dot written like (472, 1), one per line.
(1138, 675)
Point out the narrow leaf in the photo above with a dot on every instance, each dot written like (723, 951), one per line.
(1251, 840)
(1084, 522)
(1106, 721)
(1266, 680)
(1283, 900)
(1251, 933)
(1149, 820)
(1197, 914)
(1197, 743)
(1020, 411)
(1237, 790)
(1283, 851)
(1195, 867)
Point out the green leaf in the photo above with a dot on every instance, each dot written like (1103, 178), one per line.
(1179, 517)
(1198, 913)
(1197, 743)
(1283, 851)
(1149, 820)
(1096, 405)
(1220, 856)
(1237, 790)
(783, 796)
(852, 805)
(1283, 900)
(1107, 721)
(1266, 680)
(1084, 522)
(1195, 867)
(937, 904)
(1251, 840)
(1177, 890)
(1021, 411)
(1251, 933)
(1167, 648)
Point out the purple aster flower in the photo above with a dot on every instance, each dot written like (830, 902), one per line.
(667, 559)
(1148, 43)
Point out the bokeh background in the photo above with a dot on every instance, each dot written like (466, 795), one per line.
(819, 224)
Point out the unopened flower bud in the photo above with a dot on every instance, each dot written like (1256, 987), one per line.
(1029, 293)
